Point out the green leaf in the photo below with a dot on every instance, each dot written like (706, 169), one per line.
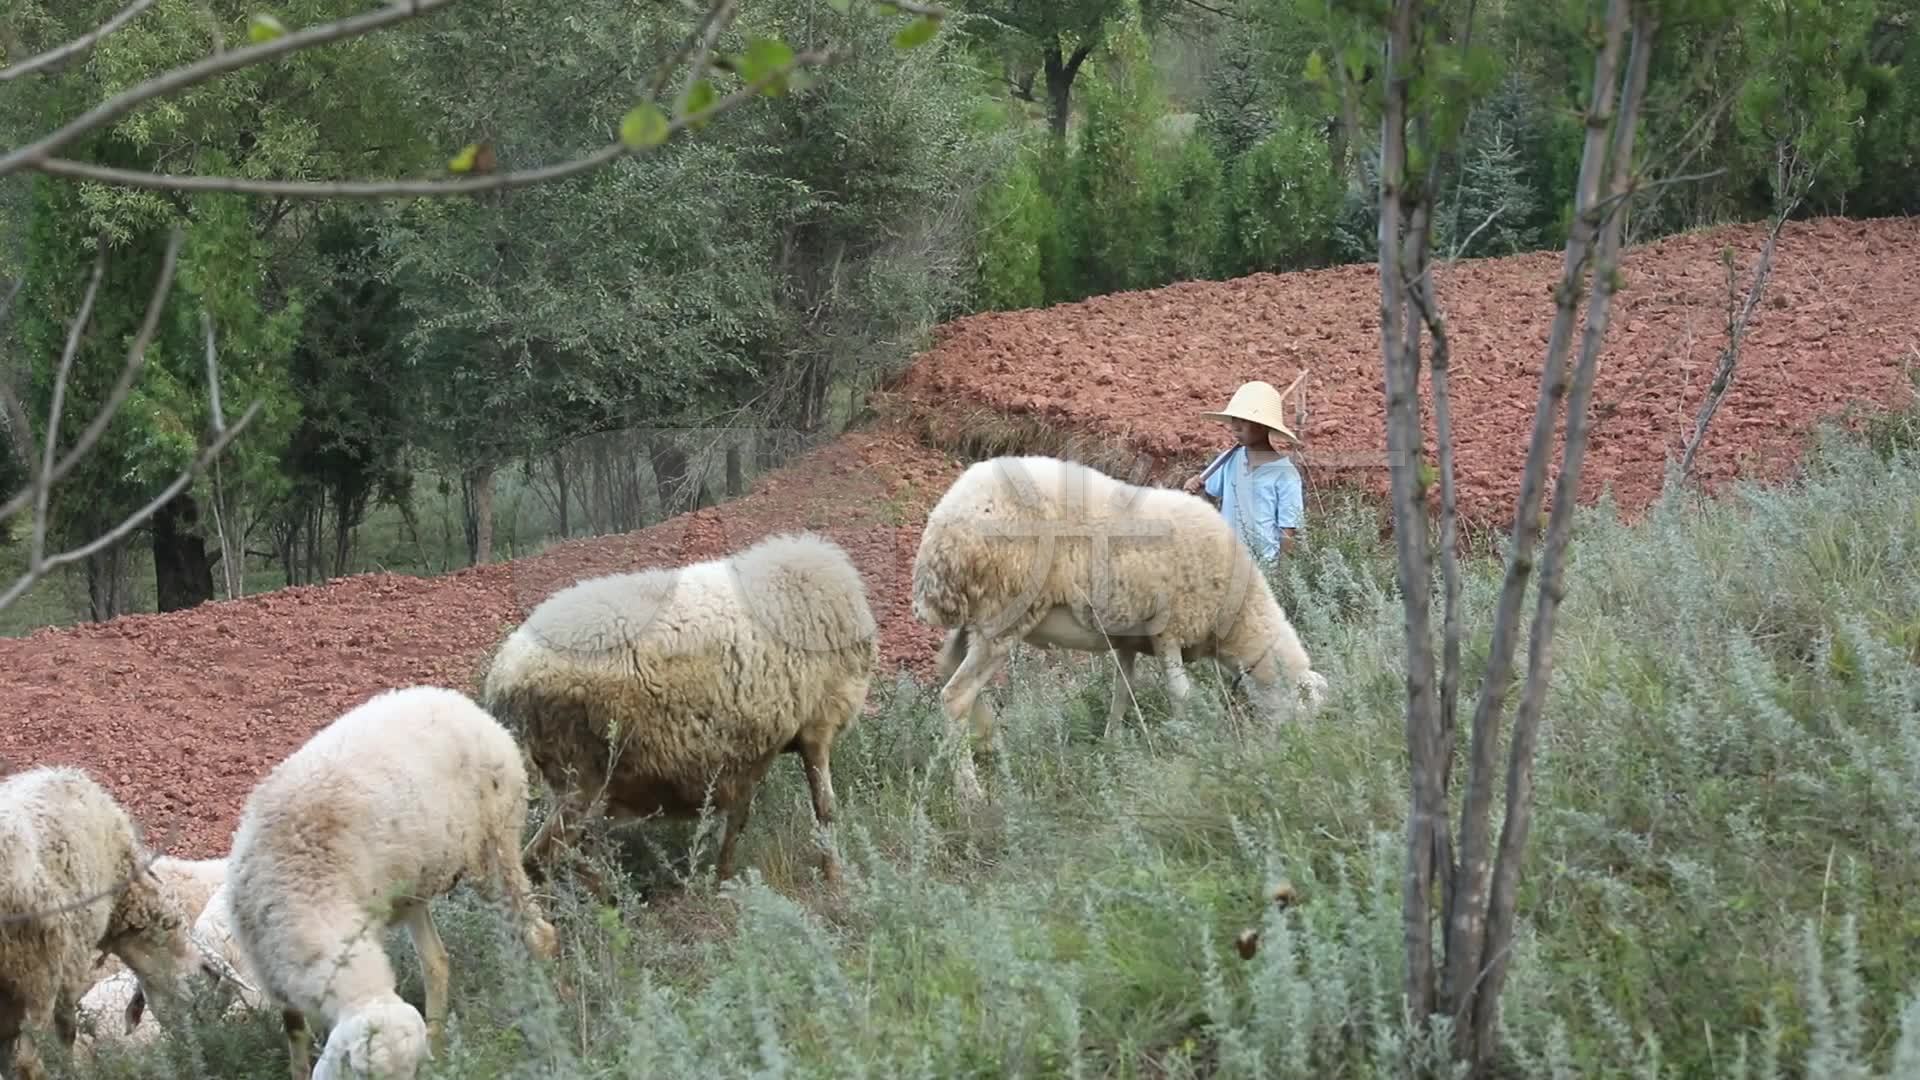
(699, 100)
(763, 57)
(264, 27)
(463, 161)
(918, 32)
(841, 6)
(644, 125)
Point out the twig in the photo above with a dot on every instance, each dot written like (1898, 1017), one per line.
(42, 485)
(141, 866)
(1454, 255)
(60, 54)
(1737, 325)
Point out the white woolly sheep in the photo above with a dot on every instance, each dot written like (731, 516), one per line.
(648, 687)
(379, 812)
(1062, 555)
(75, 880)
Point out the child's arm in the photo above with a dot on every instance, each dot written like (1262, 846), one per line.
(1201, 482)
(1289, 509)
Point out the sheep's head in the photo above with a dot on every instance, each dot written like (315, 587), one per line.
(387, 1038)
(1281, 698)
(148, 931)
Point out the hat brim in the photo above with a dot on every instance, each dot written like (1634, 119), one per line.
(1281, 428)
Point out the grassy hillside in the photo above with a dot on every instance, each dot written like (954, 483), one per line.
(1723, 861)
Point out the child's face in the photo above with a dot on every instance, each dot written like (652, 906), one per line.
(1248, 433)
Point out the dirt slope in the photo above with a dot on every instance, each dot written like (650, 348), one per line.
(181, 714)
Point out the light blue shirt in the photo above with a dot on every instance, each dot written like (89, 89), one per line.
(1260, 502)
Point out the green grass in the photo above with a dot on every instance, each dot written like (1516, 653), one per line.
(1725, 852)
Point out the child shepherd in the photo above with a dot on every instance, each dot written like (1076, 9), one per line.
(1256, 486)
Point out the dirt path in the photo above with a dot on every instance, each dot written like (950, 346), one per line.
(181, 714)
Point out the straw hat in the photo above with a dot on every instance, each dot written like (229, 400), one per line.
(1259, 403)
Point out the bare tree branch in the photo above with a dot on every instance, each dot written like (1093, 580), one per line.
(39, 152)
(56, 56)
(387, 189)
(136, 358)
(1458, 248)
(47, 472)
(142, 865)
(42, 485)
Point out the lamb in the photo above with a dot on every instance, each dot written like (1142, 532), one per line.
(74, 880)
(387, 807)
(1062, 555)
(648, 687)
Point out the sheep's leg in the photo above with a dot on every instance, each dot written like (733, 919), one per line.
(981, 714)
(1122, 690)
(815, 754)
(515, 889)
(26, 1063)
(737, 815)
(434, 966)
(985, 656)
(1179, 686)
(299, 1043)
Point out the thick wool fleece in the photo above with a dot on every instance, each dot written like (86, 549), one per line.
(695, 675)
(1018, 542)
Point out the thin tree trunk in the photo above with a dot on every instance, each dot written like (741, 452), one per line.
(1400, 343)
(182, 573)
(479, 505)
(1060, 75)
(560, 485)
(736, 476)
(1466, 928)
(1526, 722)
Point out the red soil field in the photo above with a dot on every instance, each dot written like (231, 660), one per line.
(180, 714)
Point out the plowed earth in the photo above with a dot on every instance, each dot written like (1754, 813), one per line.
(180, 714)
(1842, 312)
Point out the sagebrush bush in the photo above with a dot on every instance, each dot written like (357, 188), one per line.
(1720, 881)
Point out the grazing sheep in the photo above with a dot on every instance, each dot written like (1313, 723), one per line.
(1062, 555)
(188, 883)
(115, 1005)
(648, 687)
(382, 810)
(74, 880)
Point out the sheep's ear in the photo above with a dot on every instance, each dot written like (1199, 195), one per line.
(136, 1008)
